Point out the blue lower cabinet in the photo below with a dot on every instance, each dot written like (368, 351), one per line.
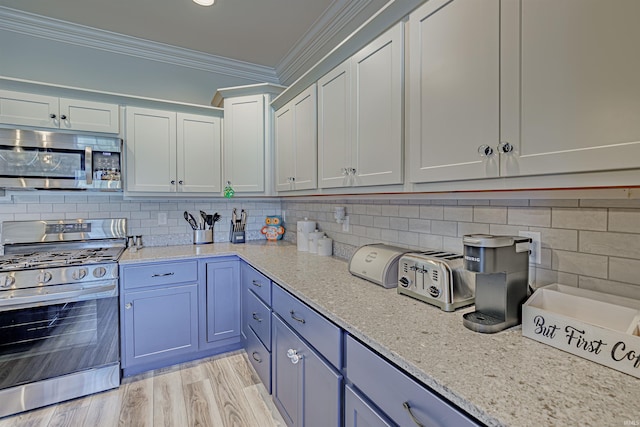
(398, 396)
(222, 301)
(360, 413)
(159, 324)
(305, 388)
(260, 359)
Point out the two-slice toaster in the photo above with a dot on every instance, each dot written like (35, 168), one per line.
(437, 278)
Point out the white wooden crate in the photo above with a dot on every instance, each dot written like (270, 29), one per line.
(599, 327)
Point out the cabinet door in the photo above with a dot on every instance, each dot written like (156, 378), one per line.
(198, 153)
(89, 116)
(377, 110)
(305, 130)
(150, 150)
(25, 109)
(454, 89)
(159, 324)
(571, 98)
(334, 127)
(359, 413)
(305, 388)
(285, 148)
(244, 139)
(223, 300)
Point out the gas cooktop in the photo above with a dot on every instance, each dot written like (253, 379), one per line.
(59, 258)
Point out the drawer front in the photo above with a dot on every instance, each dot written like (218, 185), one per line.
(401, 398)
(260, 359)
(358, 412)
(256, 281)
(259, 318)
(323, 335)
(140, 276)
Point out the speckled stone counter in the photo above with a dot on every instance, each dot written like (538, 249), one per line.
(501, 379)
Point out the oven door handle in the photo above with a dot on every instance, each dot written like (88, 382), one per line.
(59, 294)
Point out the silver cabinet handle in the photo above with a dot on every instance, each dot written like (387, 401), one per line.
(407, 407)
(485, 151)
(505, 147)
(255, 317)
(257, 359)
(297, 319)
(256, 283)
(163, 274)
(293, 356)
(128, 305)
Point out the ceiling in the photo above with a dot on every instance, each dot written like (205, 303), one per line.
(262, 32)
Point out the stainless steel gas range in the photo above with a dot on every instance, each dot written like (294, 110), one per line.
(58, 310)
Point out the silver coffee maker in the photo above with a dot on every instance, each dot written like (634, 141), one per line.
(501, 264)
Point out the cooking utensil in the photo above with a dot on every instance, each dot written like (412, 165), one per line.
(191, 220)
(203, 224)
(243, 219)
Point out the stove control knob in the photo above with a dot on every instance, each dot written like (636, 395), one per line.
(7, 281)
(404, 282)
(44, 277)
(99, 272)
(79, 274)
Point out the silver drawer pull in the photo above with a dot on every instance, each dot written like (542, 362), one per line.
(407, 407)
(257, 359)
(255, 317)
(297, 319)
(256, 283)
(163, 274)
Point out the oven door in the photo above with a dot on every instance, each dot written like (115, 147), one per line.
(64, 330)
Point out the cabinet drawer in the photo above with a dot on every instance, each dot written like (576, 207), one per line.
(392, 390)
(259, 318)
(257, 282)
(159, 274)
(323, 335)
(260, 359)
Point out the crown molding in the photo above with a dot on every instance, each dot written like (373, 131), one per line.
(80, 35)
(332, 21)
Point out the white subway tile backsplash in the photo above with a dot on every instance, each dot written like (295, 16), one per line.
(458, 213)
(409, 211)
(581, 219)
(432, 212)
(536, 217)
(390, 210)
(612, 244)
(624, 270)
(420, 225)
(444, 228)
(609, 287)
(399, 223)
(431, 241)
(580, 263)
(557, 238)
(624, 220)
(381, 222)
(472, 228)
(490, 214)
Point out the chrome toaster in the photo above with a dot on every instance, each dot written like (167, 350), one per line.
(437, 278)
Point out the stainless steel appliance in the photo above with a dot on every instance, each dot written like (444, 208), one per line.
(437, 278)
(59, 333)
(501, 264)
(47, 160)
(377, 263)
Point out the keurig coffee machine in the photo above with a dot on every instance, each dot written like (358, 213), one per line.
(501, 264)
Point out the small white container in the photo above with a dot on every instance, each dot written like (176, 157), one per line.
(313, 241)
(303, 228)
(325, 246)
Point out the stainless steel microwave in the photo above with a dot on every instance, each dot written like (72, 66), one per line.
(49, 160)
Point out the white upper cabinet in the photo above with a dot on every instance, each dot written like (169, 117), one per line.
(523, 87)
(244, 143)
(168, 152)
(360, 116)
(296, 143)
(570, 89)
(454, 89)
(26, 109)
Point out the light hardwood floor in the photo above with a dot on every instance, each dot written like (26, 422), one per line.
(220, 391)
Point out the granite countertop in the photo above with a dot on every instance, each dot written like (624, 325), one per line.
(501, 379)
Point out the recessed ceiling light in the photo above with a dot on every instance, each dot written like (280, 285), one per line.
(204, 2)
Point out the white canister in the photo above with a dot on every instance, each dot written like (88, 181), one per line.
(313, 241)
(325, 246)
(303, 229)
